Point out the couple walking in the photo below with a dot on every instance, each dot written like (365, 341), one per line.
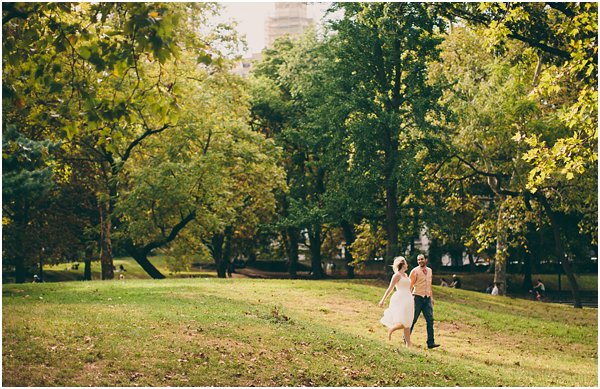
(413, 296)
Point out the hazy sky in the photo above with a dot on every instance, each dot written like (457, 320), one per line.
(251, 19)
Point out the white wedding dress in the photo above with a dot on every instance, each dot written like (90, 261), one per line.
(402, 306)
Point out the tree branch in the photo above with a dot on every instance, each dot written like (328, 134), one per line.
(172, 235)
(146, 134)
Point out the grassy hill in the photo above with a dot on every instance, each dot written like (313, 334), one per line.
(67, 272)
(243, 332)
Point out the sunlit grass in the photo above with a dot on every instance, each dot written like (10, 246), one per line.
(242, 332)
(67, 272)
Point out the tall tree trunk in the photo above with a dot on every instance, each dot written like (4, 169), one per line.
(217, 254)
(416, 233)
(527, 282)
(87, 260)
(456, 258)
(435, 255)
(391, 227)
(252, 257)
(349, 238)
(314, 235)
(501, 250)
(226, 258)
(106, 258)
(292, 250)
(560, 252)
(20, 273)
(471, 262)
(19, 257)
(41, 264)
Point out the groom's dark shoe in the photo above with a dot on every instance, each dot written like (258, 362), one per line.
(433, 345)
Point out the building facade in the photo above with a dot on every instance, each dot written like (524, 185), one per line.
(289, 19)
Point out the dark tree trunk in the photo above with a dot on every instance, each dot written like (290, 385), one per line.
(527, 282)
(391, 227)
(292, 251)
(87, 260)
(140, 254)
(148, 267)
(349, 238)
(41, 264)
(226, 253)
(217, 254)
(314, 235)
(87, 270)
(20, 273)
(106, 258)
(471, 263)
(456, 257)
(141, 257)
(252, 257)
(19, 258)
(435, 255)
(416, 232)
(501, 251)
(560, 252)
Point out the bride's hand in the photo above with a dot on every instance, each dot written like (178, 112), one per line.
(380, 304)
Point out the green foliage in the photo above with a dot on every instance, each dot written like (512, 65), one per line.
(564, 86)
(370, 243)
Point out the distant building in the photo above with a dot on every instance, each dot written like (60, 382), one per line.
(245, 64)
(290, 19)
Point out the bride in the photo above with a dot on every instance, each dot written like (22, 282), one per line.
(400, 313)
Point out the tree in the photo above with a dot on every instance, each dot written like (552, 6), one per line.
(97, 70)
(285, 116)
(205, 180)
(384, 49)
(564, 37)
(27, 181)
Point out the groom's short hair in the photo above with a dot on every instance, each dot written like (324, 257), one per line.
(421, 256)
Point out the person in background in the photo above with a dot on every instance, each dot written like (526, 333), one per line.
(455, 282)
(495, 289)
(488, 290)
(444, 283)
(539, 289)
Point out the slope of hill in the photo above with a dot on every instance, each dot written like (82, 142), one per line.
(244, 332)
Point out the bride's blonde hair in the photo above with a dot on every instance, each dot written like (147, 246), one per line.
(397, 262)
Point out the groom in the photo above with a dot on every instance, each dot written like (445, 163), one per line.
(420, 285)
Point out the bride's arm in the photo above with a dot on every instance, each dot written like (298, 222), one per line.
(393, 283)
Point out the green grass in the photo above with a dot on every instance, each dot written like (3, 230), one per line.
(243, 332)
(479, 281)
(64, 272)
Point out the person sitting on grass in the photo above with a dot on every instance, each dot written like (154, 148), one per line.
(539, 289)
(455, 282)
(495, 290)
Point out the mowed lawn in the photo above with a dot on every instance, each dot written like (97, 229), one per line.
(244, 332)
